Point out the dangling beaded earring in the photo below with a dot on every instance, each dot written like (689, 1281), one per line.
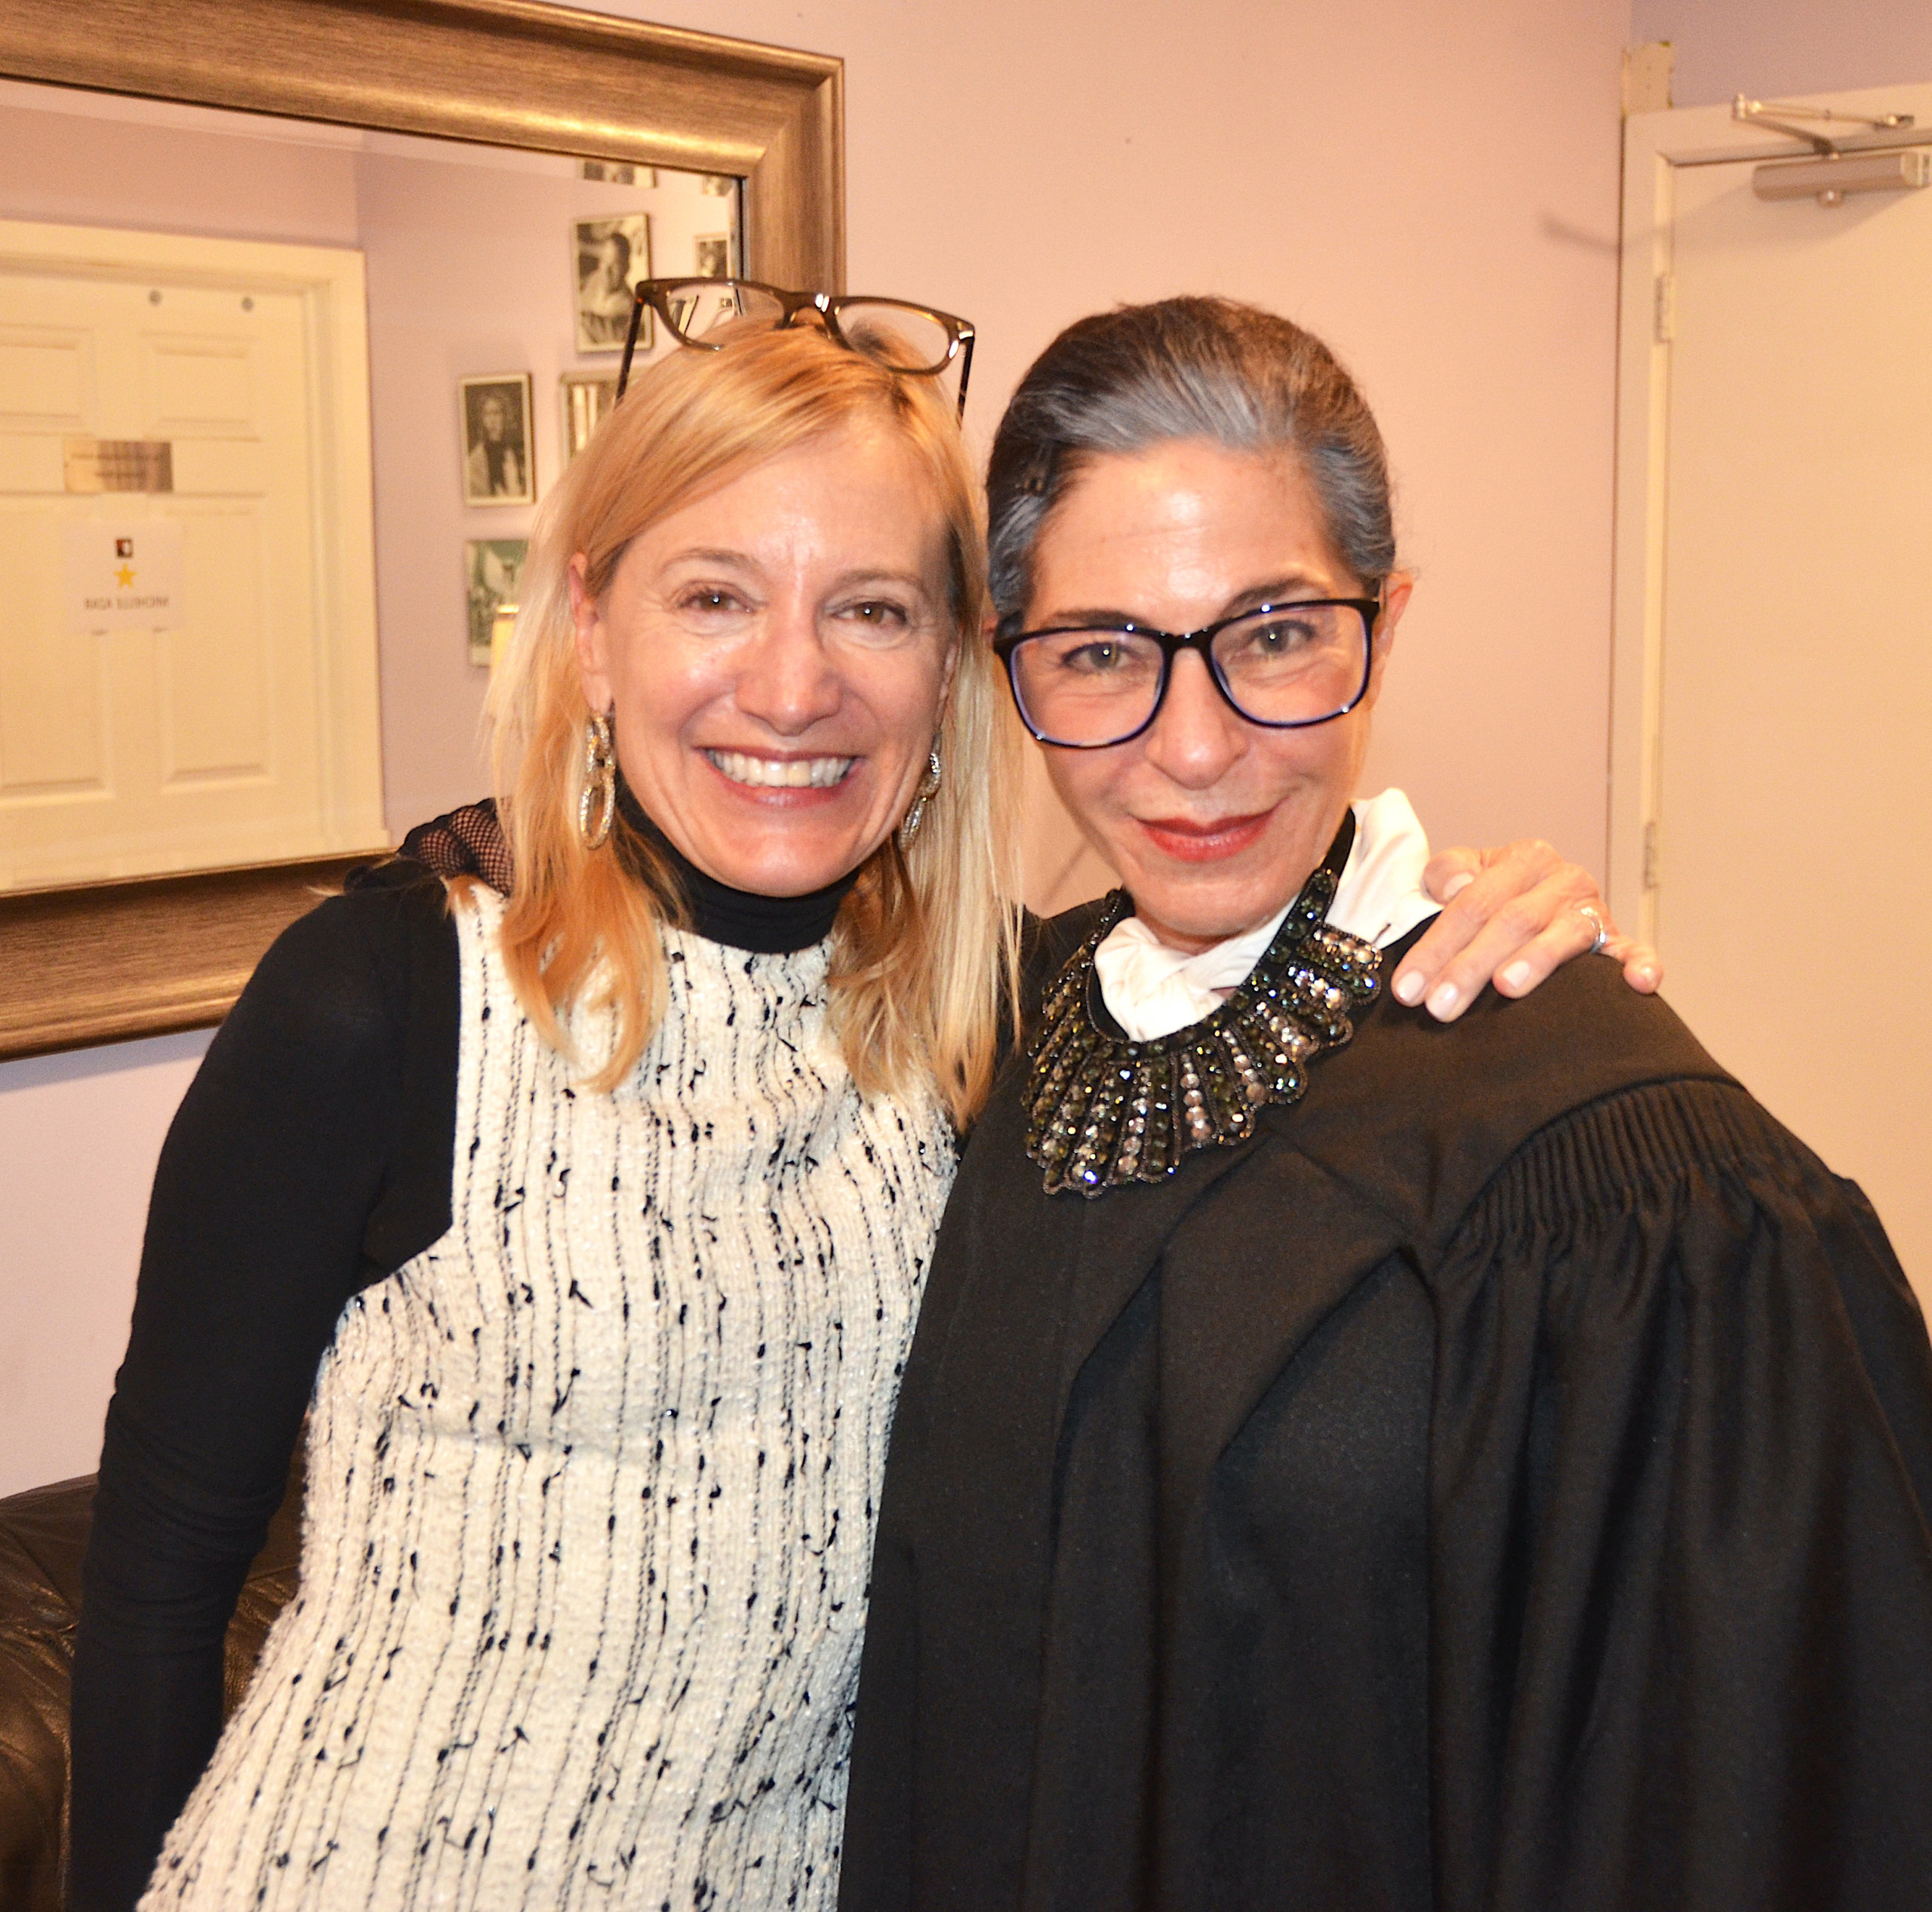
(600, 781)
(928, 790)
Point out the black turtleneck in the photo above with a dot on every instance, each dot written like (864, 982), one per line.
(310, 1159)
(740, 919)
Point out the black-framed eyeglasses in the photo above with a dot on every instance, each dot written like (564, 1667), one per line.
(1283, 666)
(913, 339)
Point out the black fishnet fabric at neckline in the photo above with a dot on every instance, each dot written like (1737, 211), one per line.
(469, 841)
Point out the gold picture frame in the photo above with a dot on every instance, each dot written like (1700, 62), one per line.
(587, 398)
(106, 962)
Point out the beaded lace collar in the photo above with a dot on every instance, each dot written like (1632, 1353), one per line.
(1103, 1110)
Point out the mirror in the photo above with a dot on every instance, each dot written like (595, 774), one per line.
(446, 204)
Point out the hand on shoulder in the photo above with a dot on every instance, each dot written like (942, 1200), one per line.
(1511, 917)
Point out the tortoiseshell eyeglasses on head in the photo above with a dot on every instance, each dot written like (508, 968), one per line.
(913, 340)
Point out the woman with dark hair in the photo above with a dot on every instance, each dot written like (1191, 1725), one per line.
(1349, 1461)
(495, 466)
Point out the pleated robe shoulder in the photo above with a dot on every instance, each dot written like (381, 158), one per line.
(1500, 1485)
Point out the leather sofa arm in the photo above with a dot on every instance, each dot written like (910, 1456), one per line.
(43, 1537)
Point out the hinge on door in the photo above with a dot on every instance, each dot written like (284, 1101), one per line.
(1650, 855)
(1663, 316)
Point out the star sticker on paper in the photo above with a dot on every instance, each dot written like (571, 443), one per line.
(125, 575)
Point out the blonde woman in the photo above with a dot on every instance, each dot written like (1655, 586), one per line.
(606, 1233)
(587, 1226)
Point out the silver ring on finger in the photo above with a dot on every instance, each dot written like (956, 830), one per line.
(1602, 936)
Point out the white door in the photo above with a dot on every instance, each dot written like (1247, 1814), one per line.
(1773, 807)
(242, 729)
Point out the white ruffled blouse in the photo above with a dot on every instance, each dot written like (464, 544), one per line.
(1151, 990)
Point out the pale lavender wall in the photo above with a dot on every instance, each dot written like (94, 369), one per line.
(1773, 48)
(79, 1135)
(75, 170)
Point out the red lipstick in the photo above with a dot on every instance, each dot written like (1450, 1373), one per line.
(1191, 840)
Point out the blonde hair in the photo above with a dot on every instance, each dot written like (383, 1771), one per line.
(924, 950)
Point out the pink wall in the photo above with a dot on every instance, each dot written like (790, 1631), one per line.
(1772, 51)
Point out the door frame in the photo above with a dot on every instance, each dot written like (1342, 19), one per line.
(1655, 146)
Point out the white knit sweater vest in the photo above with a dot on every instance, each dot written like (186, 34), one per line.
(590, 1485)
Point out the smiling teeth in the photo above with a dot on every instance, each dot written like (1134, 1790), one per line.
(785, 773)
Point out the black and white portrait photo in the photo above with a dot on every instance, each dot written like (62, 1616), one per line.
(496, 439)
(612, 255)
(714, 255)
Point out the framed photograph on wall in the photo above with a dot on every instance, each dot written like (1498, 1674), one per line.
(494, 568)
(587, 398)
(713, 255)
(496, 439)
(620, 172)
(611, 256)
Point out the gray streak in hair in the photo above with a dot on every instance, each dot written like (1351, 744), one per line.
(1127, 380)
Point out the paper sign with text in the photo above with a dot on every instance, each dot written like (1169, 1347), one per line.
(123, 577)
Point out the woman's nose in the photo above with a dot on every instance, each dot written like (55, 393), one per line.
(1198, 736)
(787, 679)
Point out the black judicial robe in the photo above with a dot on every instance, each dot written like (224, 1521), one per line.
(1500, 1485)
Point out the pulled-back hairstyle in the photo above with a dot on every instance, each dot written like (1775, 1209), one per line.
(924, 948)
(1127, 380)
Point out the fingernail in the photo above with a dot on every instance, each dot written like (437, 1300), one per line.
(1445, 999)
(1516, 975)
(1409, 988)
(1456, 885)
